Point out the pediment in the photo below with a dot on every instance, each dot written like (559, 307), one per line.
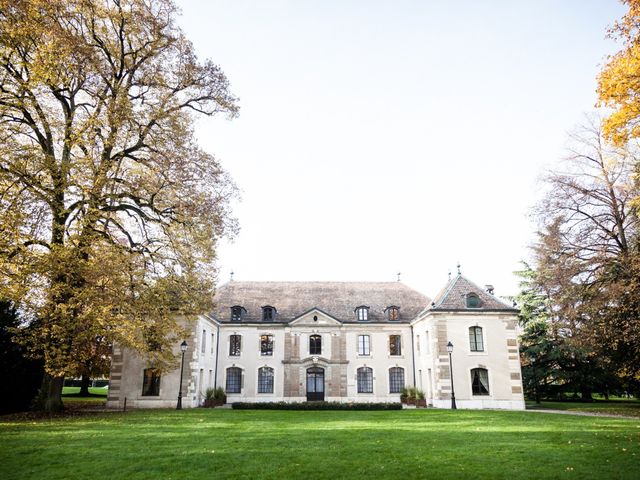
(315, 317)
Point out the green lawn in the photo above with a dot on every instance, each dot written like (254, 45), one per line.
(70, 396)
(630, 408)
(235, 444)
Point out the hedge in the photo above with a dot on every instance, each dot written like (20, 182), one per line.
(314, 406)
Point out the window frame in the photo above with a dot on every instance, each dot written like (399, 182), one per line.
(473, 296)
(151, 382)
(237, 312)
(266, 386)
(392, 312)
(238, 348)
(315, 344)
(237, 380)
(364, 379)
(396, 384)
(398, 345)
(266, 345)
(474, 345)
(269, 314)
(365, 351)
(362, 313)
(479, 384)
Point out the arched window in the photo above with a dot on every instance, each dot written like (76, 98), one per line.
(237, 312)
(265, 380)
(234, 380)
(365, 380)
(473, 301)
(475, 339)
(396, 379)
(362, 313)
(151, 382)
(268, 313)
(315, 345)
(480, 381)
(393, 313)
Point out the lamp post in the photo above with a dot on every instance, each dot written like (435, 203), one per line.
(453, 393)
(183, 348)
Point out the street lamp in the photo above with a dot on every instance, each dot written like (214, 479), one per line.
(453, 393)
(183, 348)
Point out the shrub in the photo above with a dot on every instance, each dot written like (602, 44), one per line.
(315, 406)
(220, 396)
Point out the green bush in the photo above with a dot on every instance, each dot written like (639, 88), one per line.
(219, 395)
(315, 406)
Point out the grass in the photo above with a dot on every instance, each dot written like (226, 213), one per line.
(251, 444)
(630, 408)
(98, 396)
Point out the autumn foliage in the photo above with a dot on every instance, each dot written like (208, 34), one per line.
(109, 210)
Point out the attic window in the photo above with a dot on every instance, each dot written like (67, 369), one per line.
(362, 313)
(268, 313)
(473, 301)
(237, 312)
(393, 313)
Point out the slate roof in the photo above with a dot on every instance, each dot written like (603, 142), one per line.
(338, 299)
(453, 297)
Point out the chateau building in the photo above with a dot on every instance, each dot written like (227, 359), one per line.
(338, 341)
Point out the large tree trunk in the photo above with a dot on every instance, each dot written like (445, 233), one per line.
(84, 386)
(49, 397)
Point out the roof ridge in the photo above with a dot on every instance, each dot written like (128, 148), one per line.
(448, 289)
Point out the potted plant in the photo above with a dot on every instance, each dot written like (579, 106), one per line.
(420, 399)
(208, 398)
(219, 397)
(404, 394)
(411, 396)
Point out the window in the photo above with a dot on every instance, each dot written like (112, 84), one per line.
(418, 343)
(268, 314)
(266, 345)
(315, 345)
(475, 339)
(204, 341)
(237, 312)
(395, 345)
(363, 344)
(393, 313)
(234, 380)
(235, 345)
(427, 347)
(396, 379)
(362, 313)
(473, 301)
(151, 382)
(265, 380)
(365, 380)
(480, 381)
(212, 344)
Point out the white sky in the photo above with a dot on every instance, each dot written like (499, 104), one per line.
(400, 136)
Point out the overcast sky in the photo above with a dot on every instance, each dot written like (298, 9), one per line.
(399, 136)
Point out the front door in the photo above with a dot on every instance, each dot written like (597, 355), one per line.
(315, 384)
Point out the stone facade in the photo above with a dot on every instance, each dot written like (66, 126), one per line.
(229, 351)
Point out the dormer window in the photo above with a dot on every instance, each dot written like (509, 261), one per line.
(473, 301)
(362, 313)
(393, 313)
(237, 312)
(268, 313)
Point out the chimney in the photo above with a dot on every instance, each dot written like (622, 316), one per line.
(489, 289)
